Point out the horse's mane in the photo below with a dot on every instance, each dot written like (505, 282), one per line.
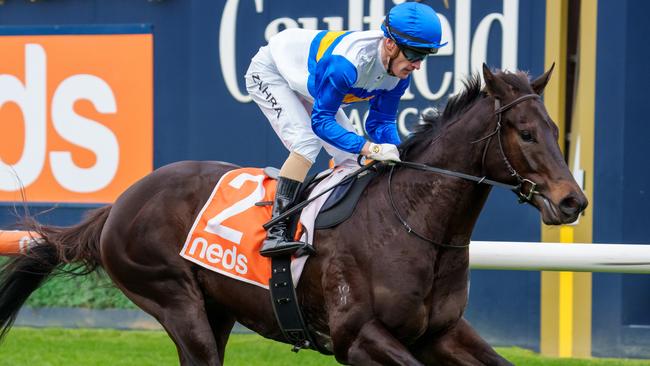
(432, 123)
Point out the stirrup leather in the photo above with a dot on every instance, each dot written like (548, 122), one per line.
(278, 242)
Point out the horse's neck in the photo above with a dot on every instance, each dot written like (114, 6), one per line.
(449, 206)
(457, 148)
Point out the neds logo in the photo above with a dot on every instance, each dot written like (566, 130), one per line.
(30, 98)
(75, 116)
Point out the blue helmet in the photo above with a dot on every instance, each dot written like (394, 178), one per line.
(414, 25)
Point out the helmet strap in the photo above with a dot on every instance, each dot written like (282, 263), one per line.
(390, 66)
(391, 58)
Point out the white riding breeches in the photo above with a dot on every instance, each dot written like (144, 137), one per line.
(288, 111)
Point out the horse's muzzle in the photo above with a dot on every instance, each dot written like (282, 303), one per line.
(572, 205)
(565, 211)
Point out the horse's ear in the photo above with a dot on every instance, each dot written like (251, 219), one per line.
(495, 86)
(539, 84)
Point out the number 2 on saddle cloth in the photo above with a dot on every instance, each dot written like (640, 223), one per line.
(227, 234)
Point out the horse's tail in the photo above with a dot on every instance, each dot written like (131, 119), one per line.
(53, 246)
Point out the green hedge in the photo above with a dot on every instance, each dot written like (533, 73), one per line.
(94, 291)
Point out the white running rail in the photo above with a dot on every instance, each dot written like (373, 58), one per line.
(573, 257)
(499, 255)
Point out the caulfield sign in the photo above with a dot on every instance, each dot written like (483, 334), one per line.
(76, 116)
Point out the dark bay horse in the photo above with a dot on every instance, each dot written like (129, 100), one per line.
(374, 294)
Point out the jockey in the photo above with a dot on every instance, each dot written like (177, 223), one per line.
(302, 78)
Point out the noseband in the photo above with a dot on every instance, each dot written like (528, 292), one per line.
(525, 189)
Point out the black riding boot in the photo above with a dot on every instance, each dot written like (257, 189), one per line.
(277, 242)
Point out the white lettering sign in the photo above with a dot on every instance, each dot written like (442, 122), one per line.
(469, 50)
(92, 135)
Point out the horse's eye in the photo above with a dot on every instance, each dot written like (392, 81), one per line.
(527, 136)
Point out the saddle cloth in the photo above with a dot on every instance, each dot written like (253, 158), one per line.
(227, 233)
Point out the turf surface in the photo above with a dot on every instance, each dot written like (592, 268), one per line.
(65, 347)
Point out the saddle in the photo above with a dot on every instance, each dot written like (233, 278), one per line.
(341, 202)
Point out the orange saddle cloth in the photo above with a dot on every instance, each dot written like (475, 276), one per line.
(227, 234)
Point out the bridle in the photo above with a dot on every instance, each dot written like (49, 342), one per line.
(525, 189)
(523, 182)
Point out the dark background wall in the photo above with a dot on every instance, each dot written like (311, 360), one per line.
(196, 117)
(621, 322)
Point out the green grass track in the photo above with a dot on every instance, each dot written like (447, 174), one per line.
(90, 347)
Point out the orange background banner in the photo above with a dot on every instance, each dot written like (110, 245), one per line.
(98, 108)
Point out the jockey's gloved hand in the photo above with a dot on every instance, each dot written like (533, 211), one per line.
(383, 152)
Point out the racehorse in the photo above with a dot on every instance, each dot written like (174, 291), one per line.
(375, 293)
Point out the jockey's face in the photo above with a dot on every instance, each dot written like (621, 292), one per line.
(401, 66)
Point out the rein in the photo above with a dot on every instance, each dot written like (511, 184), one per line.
(518, 189)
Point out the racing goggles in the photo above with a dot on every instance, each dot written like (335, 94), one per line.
(416, 54)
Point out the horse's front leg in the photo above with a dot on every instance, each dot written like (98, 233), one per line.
(459, 346)
(371, 345)
(358, 337)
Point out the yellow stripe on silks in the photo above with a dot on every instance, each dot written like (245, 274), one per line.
(326, 42)
(324, 45)
(351, 98)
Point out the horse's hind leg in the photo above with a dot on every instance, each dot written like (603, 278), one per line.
(163, 285)
(221, 323)
(461, 346)
(181, 311)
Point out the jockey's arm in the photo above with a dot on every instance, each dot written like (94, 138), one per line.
(380, 124)
(335, 76)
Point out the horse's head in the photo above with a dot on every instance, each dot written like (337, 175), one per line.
(526, 152)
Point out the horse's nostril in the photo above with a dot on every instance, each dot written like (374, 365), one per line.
(570, 206)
